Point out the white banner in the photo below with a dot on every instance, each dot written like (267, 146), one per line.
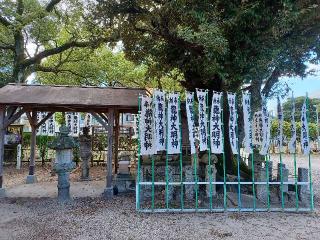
(159, 118)
(73, 122)
(88, 120)
(215, 124)
(173, 121)
(293, 140)
(257, 128)
(233, 138)
(51, 125)
(305, 144)
(191, 123)
(266, 129)
(202, 108)
(146, 127)
(246, 106)
(280, 126)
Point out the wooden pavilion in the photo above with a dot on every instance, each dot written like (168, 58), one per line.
(104, 103)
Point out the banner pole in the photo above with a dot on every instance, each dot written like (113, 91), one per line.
(268, 187)
(180, 157)
(238, 157)
(209, 150)
(195, 168)
(252, 165)
(166, 170)
(152, 191)
(139, 154)
(295, 180)
(310, 169)
(223, 156)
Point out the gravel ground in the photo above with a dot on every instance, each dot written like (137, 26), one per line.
(95, 218)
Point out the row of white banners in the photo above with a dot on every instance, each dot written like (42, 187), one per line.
(160, 130)
(50, 127)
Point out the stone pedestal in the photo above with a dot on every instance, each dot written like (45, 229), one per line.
(2, 193)
(63, 167)
(63, 164)
(31, 179)
(85, 153)
(189, 177)
(303, 190)
(262, 190)
(213, 179)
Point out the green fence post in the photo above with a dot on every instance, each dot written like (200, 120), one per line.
(209, 150)
(180, 157)
(223, 158)
(238, 157)
(139, 153)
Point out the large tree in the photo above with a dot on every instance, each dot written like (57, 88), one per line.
(220, 45)
(34, 30)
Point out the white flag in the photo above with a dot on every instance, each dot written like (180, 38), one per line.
(266, 129)
(146, 127)
(159, 119)
(233, 138)
(202, 107)
(191, 123)
(87, 120)
(293, 140)
(215, 124)
(44, 126)
(69, 120)
(51, 126)
(173, 121)
(257, 128)
(305, 144)
(75, 123)
(280, 126)
(246, 106)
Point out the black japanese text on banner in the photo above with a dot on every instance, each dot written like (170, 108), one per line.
(173, 121)
(293, 140)
(146, 127)
(305, 144)
(51, 125)
(215, 124)
(159, 119)
(257, 128)
(266, 129)
(202, 107)
(233, 138)
(280, 126)
(246, 106)
(191, 123)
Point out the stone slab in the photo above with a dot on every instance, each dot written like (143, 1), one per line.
(2, 193)
(31, 179)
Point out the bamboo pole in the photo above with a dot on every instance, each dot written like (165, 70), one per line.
(209, 151)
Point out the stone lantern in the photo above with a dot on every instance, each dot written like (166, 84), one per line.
(63, 164)
(85, 153)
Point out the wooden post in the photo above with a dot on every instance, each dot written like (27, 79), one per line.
(2, 133)
(116, 143)
(33, 123)
(108, 192)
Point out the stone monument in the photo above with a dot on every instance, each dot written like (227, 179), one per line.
(85, 153)
(63, 165)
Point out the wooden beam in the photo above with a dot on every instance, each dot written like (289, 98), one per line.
(116, 141)
(104, 117)
(109, 189)
(2, 133)
(33, 123)
(100, 120)
(13, 117)
(44, 119)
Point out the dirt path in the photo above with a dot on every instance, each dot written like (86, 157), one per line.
(94, 218)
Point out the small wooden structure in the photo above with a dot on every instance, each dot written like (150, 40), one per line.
(103, 103)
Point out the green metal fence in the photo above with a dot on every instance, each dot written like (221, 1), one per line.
(163, 188)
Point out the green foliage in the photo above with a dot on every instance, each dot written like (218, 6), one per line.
(313, 104)
(287, 131)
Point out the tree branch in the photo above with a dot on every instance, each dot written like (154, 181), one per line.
(270, 82)
(51, 5)
(7, 47)
(49, 52)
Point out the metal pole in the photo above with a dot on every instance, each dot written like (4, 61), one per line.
(139, 156)
(109, 189)
(2, 133)
(310, 169)
(167, 157)
(238, 156)
(180, 157)
(223, 158)
(209, 151)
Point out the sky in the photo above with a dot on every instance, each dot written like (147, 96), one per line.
(300, 87)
